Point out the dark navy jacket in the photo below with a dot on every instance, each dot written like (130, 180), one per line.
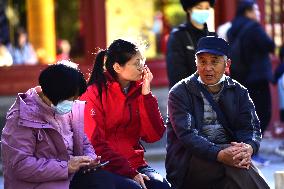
(185, 115)
(256, 48)
(181, 51)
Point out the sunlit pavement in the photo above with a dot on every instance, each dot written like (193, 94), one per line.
(156, 152)
(155, 157)
(268, 171)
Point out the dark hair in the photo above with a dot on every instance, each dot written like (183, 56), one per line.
(243, 6)
(191, 3)
(120, 51)
(19, 31)
(61, 81)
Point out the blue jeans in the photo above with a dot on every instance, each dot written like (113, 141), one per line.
(156, 180)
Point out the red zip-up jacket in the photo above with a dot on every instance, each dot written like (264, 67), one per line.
(116, 122)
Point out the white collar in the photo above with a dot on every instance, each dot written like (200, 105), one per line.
(220, 81)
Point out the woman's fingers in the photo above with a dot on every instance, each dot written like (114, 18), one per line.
(147, 73)
(145, 177)
(139, 178)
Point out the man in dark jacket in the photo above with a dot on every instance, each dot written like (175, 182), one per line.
(183, 40)
(255, 48)
(212, 126)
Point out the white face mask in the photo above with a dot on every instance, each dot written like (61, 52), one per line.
(200, 16)
(63, 107)
(221, 80)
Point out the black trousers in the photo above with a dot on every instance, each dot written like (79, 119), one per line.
(204, 174)
(101, 179)
(261, 97)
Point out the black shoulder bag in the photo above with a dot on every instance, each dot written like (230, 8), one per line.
(220, 115)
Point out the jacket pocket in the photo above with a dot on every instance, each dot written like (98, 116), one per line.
(43, 146)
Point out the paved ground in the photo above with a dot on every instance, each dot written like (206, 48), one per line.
(156, 159)
(268, 171)
(156, 152)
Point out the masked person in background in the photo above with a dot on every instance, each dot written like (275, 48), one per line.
(183, 40)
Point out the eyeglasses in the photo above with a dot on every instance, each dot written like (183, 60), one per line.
(139, 64)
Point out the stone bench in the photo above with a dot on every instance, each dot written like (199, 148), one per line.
(279, 179)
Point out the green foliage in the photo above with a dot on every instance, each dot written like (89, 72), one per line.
(67, 19)
(175, 14)
(172, 10)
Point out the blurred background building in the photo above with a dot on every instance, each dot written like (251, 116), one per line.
(91, 24)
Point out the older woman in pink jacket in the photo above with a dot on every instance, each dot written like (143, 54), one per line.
(43, 142)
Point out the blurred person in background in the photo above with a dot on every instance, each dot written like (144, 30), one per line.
(21, 50)
(158, 29)
(255, 48)
(279, 80)
(121, 110)
(180, 56)
(63, 48)
(223, 29)
(5, 56)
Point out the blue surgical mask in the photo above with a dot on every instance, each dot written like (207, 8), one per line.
(63, 107)
(200, 16)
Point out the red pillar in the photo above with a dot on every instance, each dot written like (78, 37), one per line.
(93, 28)
(224, 11)
(282, 20)
(261, 5)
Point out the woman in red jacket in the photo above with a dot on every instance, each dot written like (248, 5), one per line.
(121, 110)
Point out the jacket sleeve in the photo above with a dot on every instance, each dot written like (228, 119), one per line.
(177, 67)
(95, 130)
(18, 147)
(248, 129)
(82, 145)
(152, 124)
(183, 122)
(88, 149)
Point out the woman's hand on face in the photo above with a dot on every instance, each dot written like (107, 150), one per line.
(139, 178)
(147, 78)
(77, 162)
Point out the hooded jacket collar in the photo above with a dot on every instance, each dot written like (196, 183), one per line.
(32, 109)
